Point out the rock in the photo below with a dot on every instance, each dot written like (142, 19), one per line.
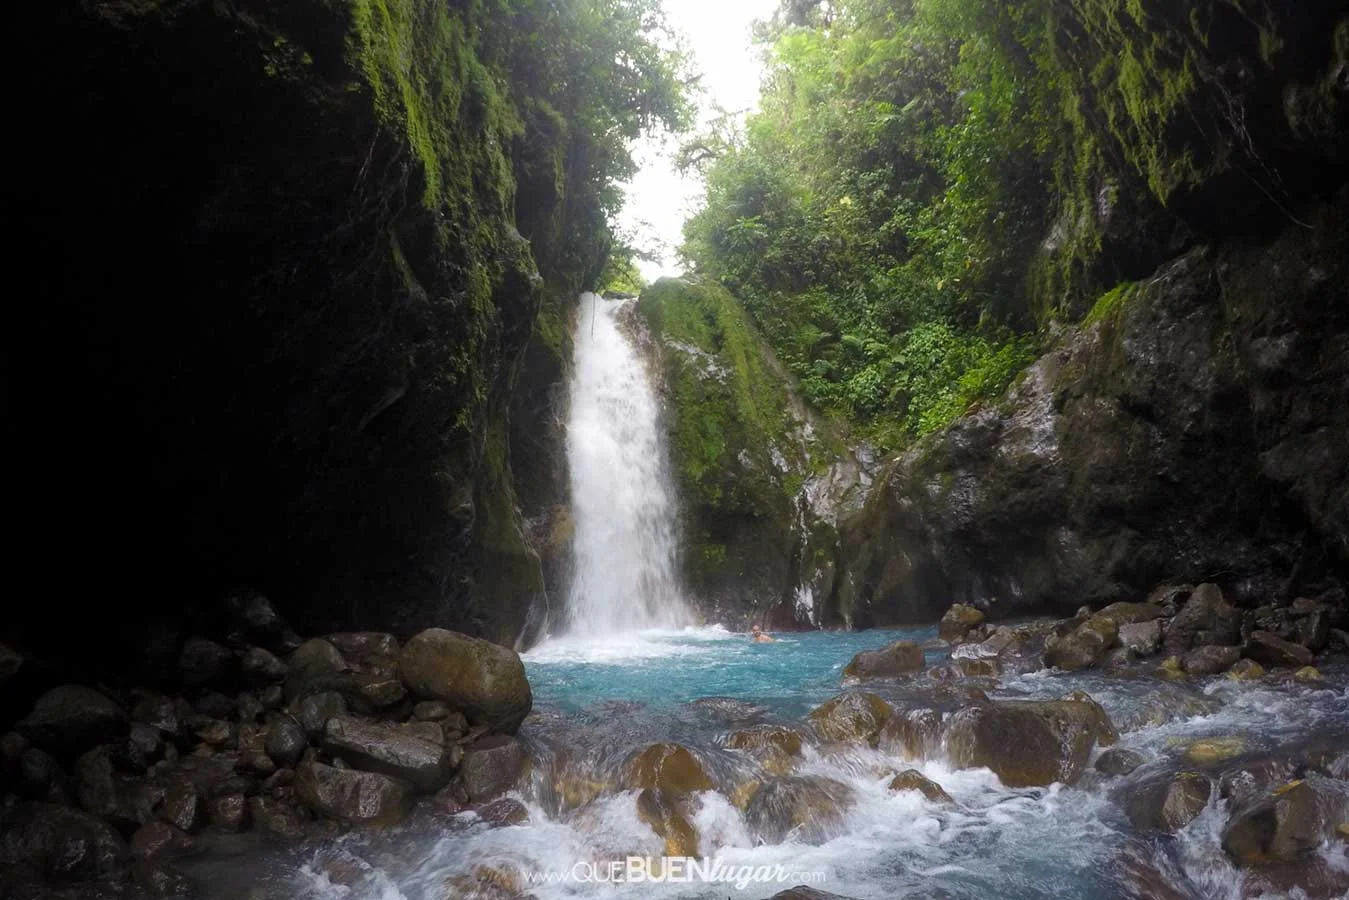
(1130, 613)
(1210, 659)
(182, 806)
(491, 767)
(103, 792)
(316, 666)
(38, 774)
(276, 817)
(160, 712)
(216, 733)
(351, 796)
(1278, 827)
(1255, 779)
(668, 767)
(380, 693)
(1271, 650)
(154, 838)
(1307, 674)
(10, 662)
(388, 749)
(766, 737)
(273, 697)
(258, 617)
(957, 621)
(1312, 629)
(1141, 638)
(249, 708)
(803, 809)
(1026, 743)
(426, 731)
(214, 705)
(1083, 646)
(159, 879)
(369, 648)
(484, 680)
(892, 660)
(314, 711)
(668, 815)
(851, 716)
(1169, 804)
(912, 734)
(1119, 761)
(1171, 668)
(913, 780)
(204, 663)
(1246, 670)
(261, 667)
(805, 892)
(286, 741)
(1212, 751)
(69, 719)
(1206, 618)
(147, 741)
(431, 710)
(58, 842)
(227, 811)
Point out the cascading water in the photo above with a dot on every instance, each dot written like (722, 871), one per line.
(623, 548)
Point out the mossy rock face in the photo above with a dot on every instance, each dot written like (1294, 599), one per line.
(854, 716)
(668, 767)
(744, 449)
(1028, 743)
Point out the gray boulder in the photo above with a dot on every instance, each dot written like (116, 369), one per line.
(1210, 659)
(892, 660)
(69, 719)
(390, 750)
(351, 796)
(484, 680)
(491, 766)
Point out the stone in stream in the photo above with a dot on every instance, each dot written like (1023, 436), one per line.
(1280, 826)
(491, 767)
(668, 814)
(669, 767)
(913, 734)
(766, 737)
(351, 796)
(1119, 761)
(69, 719)
(1028, 743)
(504, 812)
(285, 741)
(1210, 659)
(61, 843)
(1084, 645)
(913, 780)
(802, 809)
(957, 622)
(1169, 804)
(275, 817)
(1271, 650)
(1206, 618)
(1211, 751)
(892, 660)
(854, 716)
(1141, 638)
(1246, 670)
(315, 666)
(483, 680)
(388, 749)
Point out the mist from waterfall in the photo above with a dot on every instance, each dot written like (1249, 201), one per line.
(624, 575)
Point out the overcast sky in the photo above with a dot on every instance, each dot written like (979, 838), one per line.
(718, 34)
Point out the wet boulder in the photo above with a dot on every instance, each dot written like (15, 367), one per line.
(159, 879)
(778, 738)
(276, 817)
(504, 813)
(285, 741)
(854, 716)
(803, 809)
(314, 711)
(1206, 618)
(69, 719)
(1279, 826)
(104, 792)
(1119, 761)
(227, 811)
(491, 767)
(204, 663)
(913, 780)
(315, 666)
(1269, 649)
(1084, 645)
(372, 650)
(1214, 750)
(155, 838)
(1169, 803)
(483, 680)
(58, 842)
(351, 796)
(261, 667)
(957, 622)
(670, 767)
(1141, 639)
(1210, 659)
(912, 733)
(669, 814)
(1123, 613)
(891, 661)
(1246, 670)
(388, 749)
(1028, 743)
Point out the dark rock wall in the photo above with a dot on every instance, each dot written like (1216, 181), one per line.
(278, 317)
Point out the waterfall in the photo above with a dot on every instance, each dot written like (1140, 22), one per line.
(623, 548)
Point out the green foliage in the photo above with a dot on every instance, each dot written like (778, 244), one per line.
(1111, 303)
(879, 215)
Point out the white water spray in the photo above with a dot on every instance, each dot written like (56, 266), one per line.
(623, 548)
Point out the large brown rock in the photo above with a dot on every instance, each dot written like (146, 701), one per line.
(1169, 804)
(1271, 650)
(1084, 645)
(386, 748)
(1279, 826)
(484, 680)
(61, 843)
(891, 661)
(1210, 659)
(1028, 743)
(669, 815)
(957, 621)
(314, 667)
(1206, 618)
(851, 716)
(69, 719)
(350, 796)
(492, 766)
(669, 767)
(808, 810)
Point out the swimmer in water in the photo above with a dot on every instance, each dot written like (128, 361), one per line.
(758, 637)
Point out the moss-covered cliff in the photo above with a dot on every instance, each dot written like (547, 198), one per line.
(300, 270)
(760, 478)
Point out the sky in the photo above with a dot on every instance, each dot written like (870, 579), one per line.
(717, 32)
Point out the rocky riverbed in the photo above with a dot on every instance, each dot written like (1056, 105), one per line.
(374, 767)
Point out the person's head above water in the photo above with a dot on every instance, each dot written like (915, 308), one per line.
(754, 630)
